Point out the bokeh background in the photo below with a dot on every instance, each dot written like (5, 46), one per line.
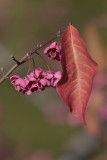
(40, 127)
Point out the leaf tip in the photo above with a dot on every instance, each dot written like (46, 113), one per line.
(81, 118)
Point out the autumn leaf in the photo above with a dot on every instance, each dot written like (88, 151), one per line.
(79, 70)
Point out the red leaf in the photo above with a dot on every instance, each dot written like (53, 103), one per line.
(78, 72)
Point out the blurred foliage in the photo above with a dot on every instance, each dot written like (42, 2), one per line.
(23, 24)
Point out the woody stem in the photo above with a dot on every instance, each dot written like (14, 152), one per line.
(25, 57)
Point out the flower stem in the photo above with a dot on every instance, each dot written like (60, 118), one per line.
(44, 61)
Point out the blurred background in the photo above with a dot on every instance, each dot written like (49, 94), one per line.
(40, 127)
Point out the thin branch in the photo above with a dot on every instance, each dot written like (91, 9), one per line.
(25, 57)
(2, 70)
(14, 59)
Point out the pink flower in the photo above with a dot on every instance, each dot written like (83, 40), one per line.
(45, 82)
(37, 81)
(31, 87)
(49, 75)
(14, 77)
(56, 78)
(53, 51)
(53, 77)
(18, 82)
(38, 72)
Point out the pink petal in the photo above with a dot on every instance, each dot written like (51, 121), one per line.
(18, 88)
(38, 72)
(31, 78)
(53, 45)
(32, 74)
(13, 82)
(43, 81)
(29, 92)
(57, 75)
(49, 75)
(26, 81)
(21, 82)
(14, 77)
(39, 90)
(46, 50)
(48, 83)
(55, 82)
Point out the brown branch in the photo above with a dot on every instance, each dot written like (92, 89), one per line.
(14, 59)
(25, 58)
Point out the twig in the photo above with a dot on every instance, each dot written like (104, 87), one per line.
(25, 57)
(14, 59)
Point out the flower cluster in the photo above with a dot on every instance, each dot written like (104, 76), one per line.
(36, 81)
(53, 51)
